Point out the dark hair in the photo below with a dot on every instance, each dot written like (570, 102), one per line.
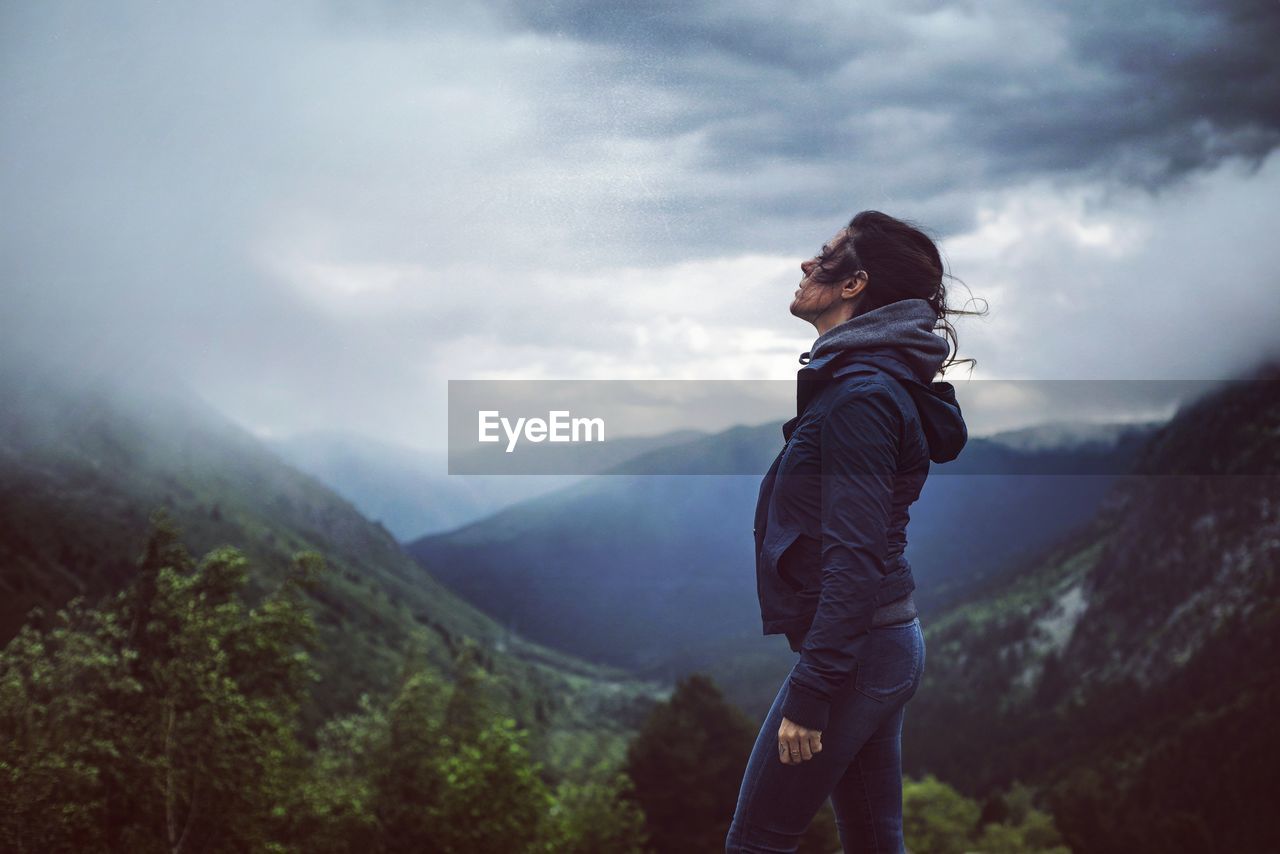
(901, 261)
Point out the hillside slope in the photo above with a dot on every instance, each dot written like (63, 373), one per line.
(84, 460)
(1128, 670)
(411, 492)
(408, 491)
(655, 572)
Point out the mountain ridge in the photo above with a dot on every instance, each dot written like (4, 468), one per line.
(84, 461)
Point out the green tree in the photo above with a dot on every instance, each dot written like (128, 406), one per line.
(473, 701)
(1024, 827)
(165, 720)
(61, 695)
(409, 779)
(493, 799)
(599, 815)
(936, 818)
(687, 763)
(455, 777)
(335, 802)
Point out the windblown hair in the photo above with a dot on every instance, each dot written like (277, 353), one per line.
(901, 261)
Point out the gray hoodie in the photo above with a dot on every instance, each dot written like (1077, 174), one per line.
(899, 338)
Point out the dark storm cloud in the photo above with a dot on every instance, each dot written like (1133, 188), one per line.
(807, 39)
(1137, 92)
(317, 211)
(1188, 84)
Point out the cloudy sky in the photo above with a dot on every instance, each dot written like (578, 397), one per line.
(319, 213)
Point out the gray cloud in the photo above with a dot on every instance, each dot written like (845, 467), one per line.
(1134, 92)
(317, 212)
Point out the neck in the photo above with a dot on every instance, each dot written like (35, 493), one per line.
(838, 312)
(828, 320)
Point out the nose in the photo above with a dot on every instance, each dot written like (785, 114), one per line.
(806, 266)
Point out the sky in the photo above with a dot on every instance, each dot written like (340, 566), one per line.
(317, 214)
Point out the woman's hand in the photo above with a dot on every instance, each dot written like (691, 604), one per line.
(796, 744)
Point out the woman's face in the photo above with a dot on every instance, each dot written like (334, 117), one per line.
(814, 299)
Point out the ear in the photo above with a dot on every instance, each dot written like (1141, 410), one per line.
(855, 284)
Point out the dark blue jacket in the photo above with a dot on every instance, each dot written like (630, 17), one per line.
(831, 517)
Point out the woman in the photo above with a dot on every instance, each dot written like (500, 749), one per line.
(831, 533)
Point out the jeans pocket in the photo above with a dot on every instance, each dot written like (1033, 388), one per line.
(893, 664)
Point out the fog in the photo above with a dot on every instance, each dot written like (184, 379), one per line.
(317, 216)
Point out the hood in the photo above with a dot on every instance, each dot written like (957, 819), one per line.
(899, 339)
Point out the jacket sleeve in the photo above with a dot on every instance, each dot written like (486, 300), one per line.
(860, 438)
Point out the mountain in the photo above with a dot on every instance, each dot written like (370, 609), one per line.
(408, 491)
(412, 493)
(1129, 670)
(655, 572)
(85, 458)
(1069, 435)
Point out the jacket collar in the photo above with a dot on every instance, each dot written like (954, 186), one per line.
(897, 339)
(899, 334)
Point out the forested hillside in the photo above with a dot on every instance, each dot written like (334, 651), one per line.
(1128, 671)
(84, 461)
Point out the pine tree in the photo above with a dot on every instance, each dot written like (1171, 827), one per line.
(687, 763)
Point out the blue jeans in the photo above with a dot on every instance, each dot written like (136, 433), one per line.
(859, 767)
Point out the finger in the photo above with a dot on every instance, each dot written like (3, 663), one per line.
(784, 743)
(815, 742)
(805, 753)
(789, 750)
